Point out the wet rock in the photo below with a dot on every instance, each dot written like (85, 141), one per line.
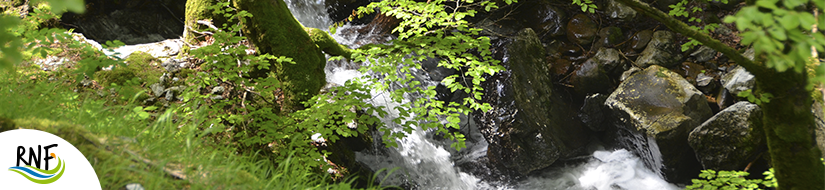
(593, 112)
(662, 50)
(738, 80)
(609, 58)
(380, 25)
(530, 126)
(705, 83)
(640, 40)
(724, 99)
(628, 73)
(560, 67)
(436, 73)
(689, 71)
(590, 77)
(570, 49)
(619, 11)
(610, 36)
(581, 29)
(654, 110)
(338, 10)
(730, 139)
(703, 54)
(544, 18)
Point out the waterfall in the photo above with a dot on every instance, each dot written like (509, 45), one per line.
(427, 162)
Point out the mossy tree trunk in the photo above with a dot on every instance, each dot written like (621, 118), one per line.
(199, 10)
(273, 30)
(788, 120)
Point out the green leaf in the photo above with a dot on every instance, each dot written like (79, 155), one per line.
(807, 20)
(789, 22)
(778, 33)
(150, 108)
(770, 4)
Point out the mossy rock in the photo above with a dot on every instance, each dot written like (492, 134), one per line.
(140, 68)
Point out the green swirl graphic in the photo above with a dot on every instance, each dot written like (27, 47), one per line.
(60, 167)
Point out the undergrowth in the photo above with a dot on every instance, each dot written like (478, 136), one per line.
(197, 143)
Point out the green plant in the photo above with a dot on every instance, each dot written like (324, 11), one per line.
(726, 180)
(756, 99)
(586, 5)
(784, 38)
(680, 9)
(256, 124)
(11, 43)
(435, 29)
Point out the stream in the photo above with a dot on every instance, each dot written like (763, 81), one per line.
(426, 162)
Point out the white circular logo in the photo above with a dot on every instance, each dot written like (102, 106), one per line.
(35, 159)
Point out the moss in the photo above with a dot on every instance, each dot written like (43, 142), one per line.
(326, 43)
(274, 30)
(140, 68)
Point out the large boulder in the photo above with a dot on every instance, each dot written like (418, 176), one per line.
(662, 50)
(530, 126)
(730, 139)
(654, 110)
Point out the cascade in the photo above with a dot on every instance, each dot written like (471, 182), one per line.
(427, 162)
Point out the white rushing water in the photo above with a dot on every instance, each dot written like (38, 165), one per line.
(425, 162)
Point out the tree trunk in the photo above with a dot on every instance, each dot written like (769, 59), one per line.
(789, 127)
(788, 120)
(199, 10)
(273, 30)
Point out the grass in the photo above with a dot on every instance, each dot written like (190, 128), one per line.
(159, 152)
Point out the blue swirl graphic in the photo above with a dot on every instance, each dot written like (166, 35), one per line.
(31, 172)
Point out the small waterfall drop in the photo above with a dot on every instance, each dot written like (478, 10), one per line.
(311, 13)
(425, 161)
